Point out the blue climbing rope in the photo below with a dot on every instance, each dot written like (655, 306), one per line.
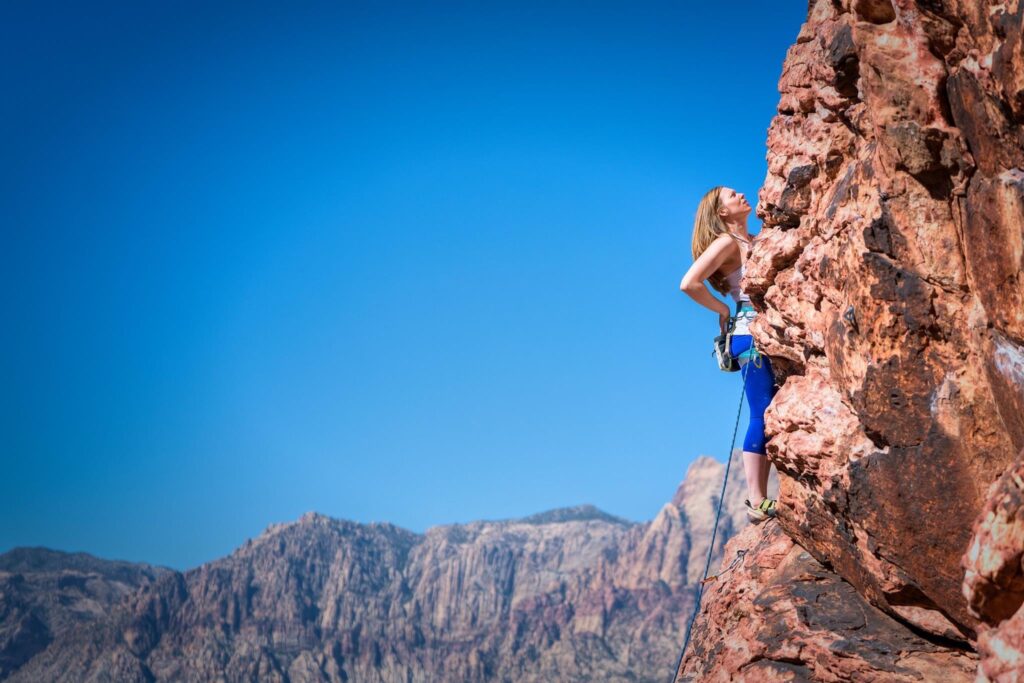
(677, 676)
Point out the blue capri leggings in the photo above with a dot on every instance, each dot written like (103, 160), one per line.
(759, 388)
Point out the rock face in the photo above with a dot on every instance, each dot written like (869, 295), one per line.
(44, 594)
(890, 281)
(889, 277)
(994, 578)
(778, 615)
(569, 595)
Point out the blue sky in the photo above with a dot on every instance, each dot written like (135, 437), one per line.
(414, 263)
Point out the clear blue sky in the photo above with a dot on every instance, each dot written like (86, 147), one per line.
(409, 263)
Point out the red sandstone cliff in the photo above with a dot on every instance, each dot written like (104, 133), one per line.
(889, 280)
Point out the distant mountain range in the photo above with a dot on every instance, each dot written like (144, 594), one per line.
(567, 595)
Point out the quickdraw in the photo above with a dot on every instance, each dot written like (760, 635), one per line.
(714, 532)
(726, 362)
(736, 560)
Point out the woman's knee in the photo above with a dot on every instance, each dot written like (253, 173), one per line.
(755, 437)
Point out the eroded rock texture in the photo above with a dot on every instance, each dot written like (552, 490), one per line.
(889, 276)
(44, 594)
(776, 614)
(994, 578)
(569, 595)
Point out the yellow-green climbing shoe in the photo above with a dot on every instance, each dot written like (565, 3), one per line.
(762, 512)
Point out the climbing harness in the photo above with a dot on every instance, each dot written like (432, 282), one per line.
(738, 324)
(755, 359)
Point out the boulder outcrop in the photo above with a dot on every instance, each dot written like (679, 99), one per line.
(776, 614)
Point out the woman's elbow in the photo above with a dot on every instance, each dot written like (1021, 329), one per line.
(688, 284)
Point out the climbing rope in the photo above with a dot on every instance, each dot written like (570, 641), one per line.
(677, 677)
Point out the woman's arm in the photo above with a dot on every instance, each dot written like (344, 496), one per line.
(706, 264)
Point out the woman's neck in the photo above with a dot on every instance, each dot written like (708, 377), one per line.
(739, 229)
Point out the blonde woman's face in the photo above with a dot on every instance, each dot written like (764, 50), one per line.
(732, 204)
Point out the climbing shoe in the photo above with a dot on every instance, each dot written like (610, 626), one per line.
(762, 512)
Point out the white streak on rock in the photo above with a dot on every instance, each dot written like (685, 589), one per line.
(1009, 359)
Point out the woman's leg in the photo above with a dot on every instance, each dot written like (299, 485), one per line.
(765, 470)
(755, 467)
(759, 387)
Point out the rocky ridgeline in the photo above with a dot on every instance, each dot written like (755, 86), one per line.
(889, 278)
(568, 595)
(44, 594)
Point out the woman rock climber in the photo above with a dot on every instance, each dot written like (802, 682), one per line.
(720, 246)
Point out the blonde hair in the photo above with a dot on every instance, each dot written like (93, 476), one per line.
(707, 226)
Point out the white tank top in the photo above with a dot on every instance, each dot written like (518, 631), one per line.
(733, 279)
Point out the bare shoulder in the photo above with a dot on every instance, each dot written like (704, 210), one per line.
(725, 245)
(723, 241)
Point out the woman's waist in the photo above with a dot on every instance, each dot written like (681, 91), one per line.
(745, 308)
(745, 314)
